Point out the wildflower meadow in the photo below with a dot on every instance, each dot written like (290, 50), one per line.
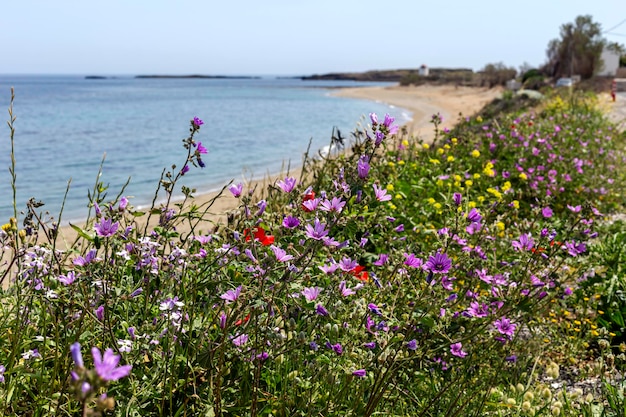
(479, 274)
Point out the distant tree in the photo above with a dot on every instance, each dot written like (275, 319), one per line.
(497, 74)
(578, 50)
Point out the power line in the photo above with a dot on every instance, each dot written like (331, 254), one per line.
(616, 26)
(617, 34)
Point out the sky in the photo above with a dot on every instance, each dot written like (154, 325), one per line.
(284, 37)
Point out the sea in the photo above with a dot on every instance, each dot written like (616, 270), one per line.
(68, 128)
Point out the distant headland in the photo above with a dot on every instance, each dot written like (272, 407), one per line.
(221, 77)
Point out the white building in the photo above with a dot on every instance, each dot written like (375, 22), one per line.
(423, 71)
(610, 60)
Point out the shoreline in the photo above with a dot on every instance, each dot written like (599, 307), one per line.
(421, 101)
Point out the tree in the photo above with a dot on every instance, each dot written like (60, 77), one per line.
(578, 50)
(497, 74)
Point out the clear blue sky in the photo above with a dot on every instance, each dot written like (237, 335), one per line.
(282, 37)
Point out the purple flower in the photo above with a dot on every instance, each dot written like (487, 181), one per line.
(197, 122)
(381, 193)
(281, 254)
(319, 309)
(123, 204)
(374, 118)
(200, 148)
(333, 205)
(474, 216)
(505, 327)
(261, 205)
(382, 259)
(411, 344)
(359, 373)
(345, 291)
(240, 340)
(287, 185)
(369, 345)
(363, 167)
(67, 279)
(329, 269)
(106, 228)
(317, 231)
(236, 190)
(456, 197)
(547, 212)
(525, 242)
(100, 313)
(412, 261)
(337, 348)
(291, 222)
(77, 356)
(388, 121)
(439, 263)
(374, 309)
(346, 264)
(231, 295)
(184, 170)
(311, 205)
(311, 293)
(106, 366)
(2, 370)
(457, 350)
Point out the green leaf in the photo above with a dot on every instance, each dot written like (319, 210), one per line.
(82, 233)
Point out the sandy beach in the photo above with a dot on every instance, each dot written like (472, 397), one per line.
(422, 102)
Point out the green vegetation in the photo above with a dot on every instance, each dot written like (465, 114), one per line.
(481, 274)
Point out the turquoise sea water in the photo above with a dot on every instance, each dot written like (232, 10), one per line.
(65, 124)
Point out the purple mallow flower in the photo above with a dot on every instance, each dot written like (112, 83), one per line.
(335, 205)
(236, 190)
(505, 327)
(412, 261)
(281, 254)
(200, 148)
(359, 373)
(231, 295)
(106, 365)
(240, 340)
(106, 228)
(197, 122)
(363, 167)
(438, 264)
(525, 242)
(287, 185)
(317, 231)
(457, 350)
(291, 222)
(311, 293)
(381, 193)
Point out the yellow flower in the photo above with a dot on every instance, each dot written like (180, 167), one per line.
(389, 187)
(475, 153)
(398, 197)
(476, 176)
(400, 162)
(391, 164)
(440, 151)
(500, 226)
(450, 158)
(392, 206)
(435, 161)
(439, 183)
(437, 206)
(479, 119)
(471, 204)
(515, 204)
(405, 142)
(506, 186)
(431, 200)
(426, 146)
(6, 227)
(523, 176)
(454, 140)
(469, 183)
(446, 146)
(480, 198)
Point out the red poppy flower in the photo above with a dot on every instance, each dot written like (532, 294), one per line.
(308, 196)
(242, 321)
(360, 273)
(259, 234)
